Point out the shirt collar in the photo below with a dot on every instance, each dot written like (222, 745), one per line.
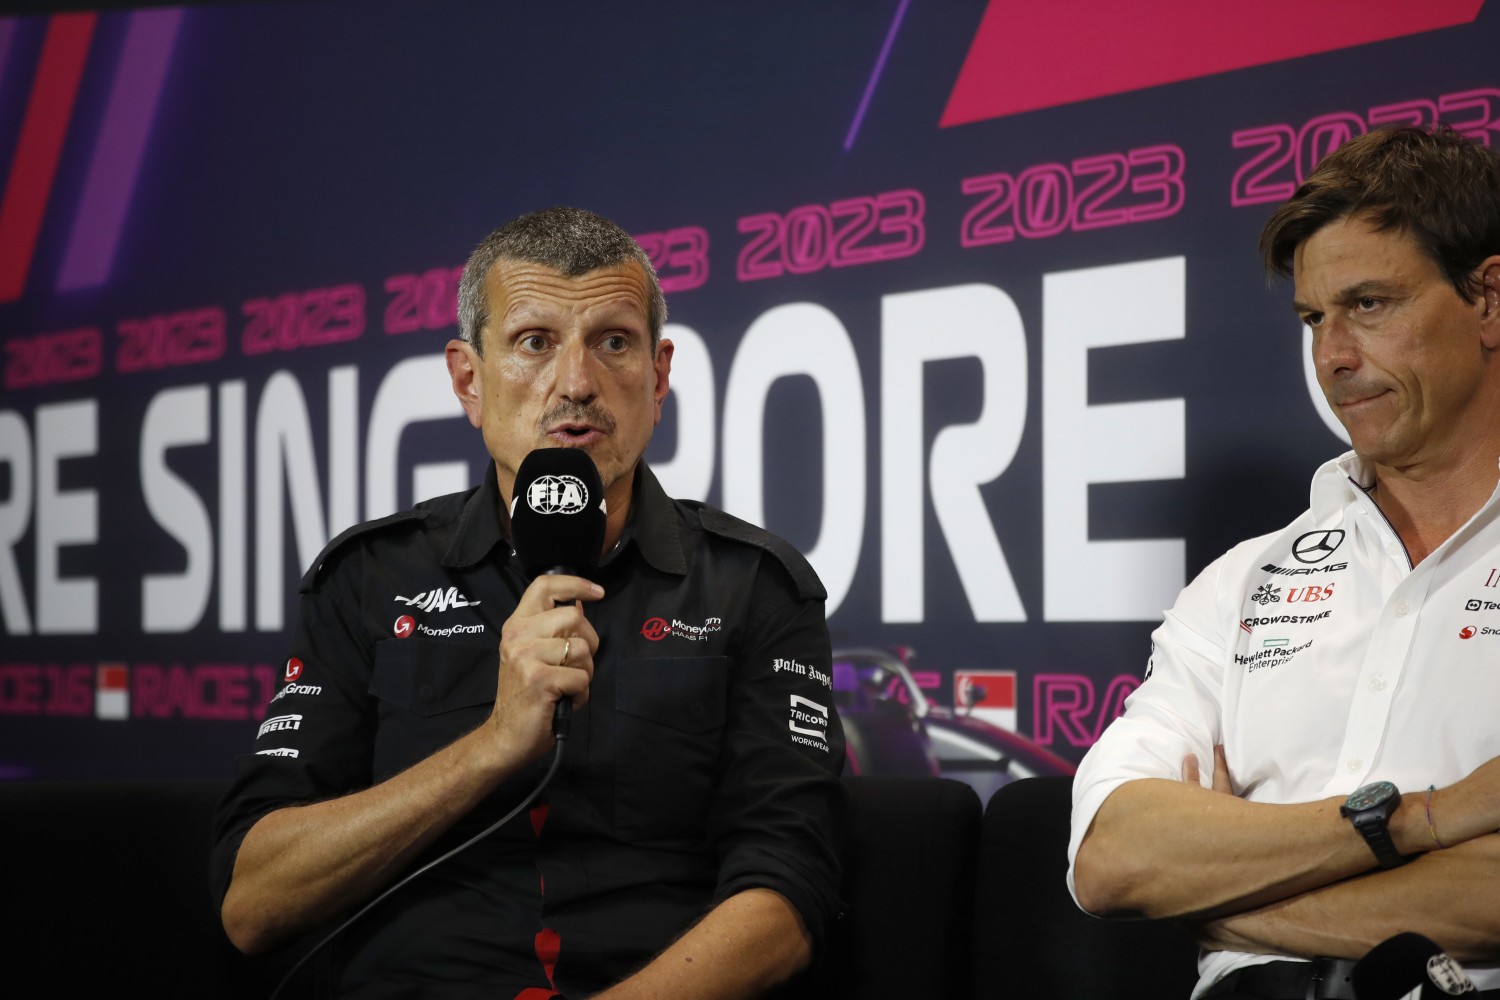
(1349, 475)
(483, 523)
(652, 527)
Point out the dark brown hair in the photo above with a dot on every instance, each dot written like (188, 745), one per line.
(1436, 186)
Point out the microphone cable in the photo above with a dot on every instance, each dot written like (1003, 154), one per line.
(562, 738)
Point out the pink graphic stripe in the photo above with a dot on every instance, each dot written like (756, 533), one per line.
(1027, 56)
(42, 131)
(122, 144)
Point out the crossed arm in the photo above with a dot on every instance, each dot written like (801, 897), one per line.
(1296, 879)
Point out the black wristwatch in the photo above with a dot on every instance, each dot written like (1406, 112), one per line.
(1369, 808)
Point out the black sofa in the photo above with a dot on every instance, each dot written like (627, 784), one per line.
(106, 890)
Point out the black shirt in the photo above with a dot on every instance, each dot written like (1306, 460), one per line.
(705, 762)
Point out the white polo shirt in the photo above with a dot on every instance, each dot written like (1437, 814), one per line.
(1321, 660)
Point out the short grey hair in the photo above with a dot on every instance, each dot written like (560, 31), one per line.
(571, 241)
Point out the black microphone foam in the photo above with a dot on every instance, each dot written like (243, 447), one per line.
(1408, 966)
(557, 522)
(557, 513)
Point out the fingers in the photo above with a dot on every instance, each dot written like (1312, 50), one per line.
(546, 592)
(1190, 769)
(1221, 771)
(1192, 774)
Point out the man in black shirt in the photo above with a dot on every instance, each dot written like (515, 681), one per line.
(685, 846)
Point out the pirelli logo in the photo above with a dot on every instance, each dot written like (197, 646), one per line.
(279, 723)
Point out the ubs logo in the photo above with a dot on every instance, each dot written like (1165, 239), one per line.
(557, 495)
(656, 629)
(1315, 546)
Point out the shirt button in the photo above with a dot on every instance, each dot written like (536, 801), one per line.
(1403, 609)
(1377, 683)
(1355, 764)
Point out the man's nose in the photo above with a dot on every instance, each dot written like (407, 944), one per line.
(1334, 348)
(575, 371)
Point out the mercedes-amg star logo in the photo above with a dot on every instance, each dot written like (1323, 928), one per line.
(1315, 546)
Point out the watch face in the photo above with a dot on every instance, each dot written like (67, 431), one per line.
(1370, 795)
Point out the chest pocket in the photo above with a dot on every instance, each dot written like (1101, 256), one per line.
(427, 694)
(670, 716)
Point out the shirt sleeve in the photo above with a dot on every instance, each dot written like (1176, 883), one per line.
(315, 740)
(779, 814)
(1176, 711)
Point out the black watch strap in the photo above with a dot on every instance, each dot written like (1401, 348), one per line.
(1378, 836)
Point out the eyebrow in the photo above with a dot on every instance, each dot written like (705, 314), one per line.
(1358, 290)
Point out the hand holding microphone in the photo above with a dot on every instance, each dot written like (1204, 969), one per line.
(557, 525)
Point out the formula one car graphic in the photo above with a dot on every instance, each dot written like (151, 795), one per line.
(892, 727)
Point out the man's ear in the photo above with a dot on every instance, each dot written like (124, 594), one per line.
(662, 365)
(463, 369)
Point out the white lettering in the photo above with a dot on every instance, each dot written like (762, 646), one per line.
(284, 457)
(414, 390)
(64, 430)
(689, 474)
(174, 602)
(233, 526)
(15, 517)
(966, 321)
(1138, 302)
(802, 339)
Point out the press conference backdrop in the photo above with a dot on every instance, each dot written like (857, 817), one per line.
(965, 300)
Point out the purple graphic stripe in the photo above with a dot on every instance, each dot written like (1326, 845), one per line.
(7, 32)
(122, 145)
(885, 50)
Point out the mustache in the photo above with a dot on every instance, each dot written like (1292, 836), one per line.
(569, 412)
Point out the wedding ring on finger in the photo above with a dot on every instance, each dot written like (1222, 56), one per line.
(567, 645)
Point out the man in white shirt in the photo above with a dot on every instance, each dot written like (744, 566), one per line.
(1312, 764)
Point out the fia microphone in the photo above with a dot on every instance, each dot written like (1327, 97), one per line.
(1409, 967)
(557, 522)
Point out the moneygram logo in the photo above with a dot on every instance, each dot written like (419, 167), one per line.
(404, 627)
(657, 629)
(293, 669)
